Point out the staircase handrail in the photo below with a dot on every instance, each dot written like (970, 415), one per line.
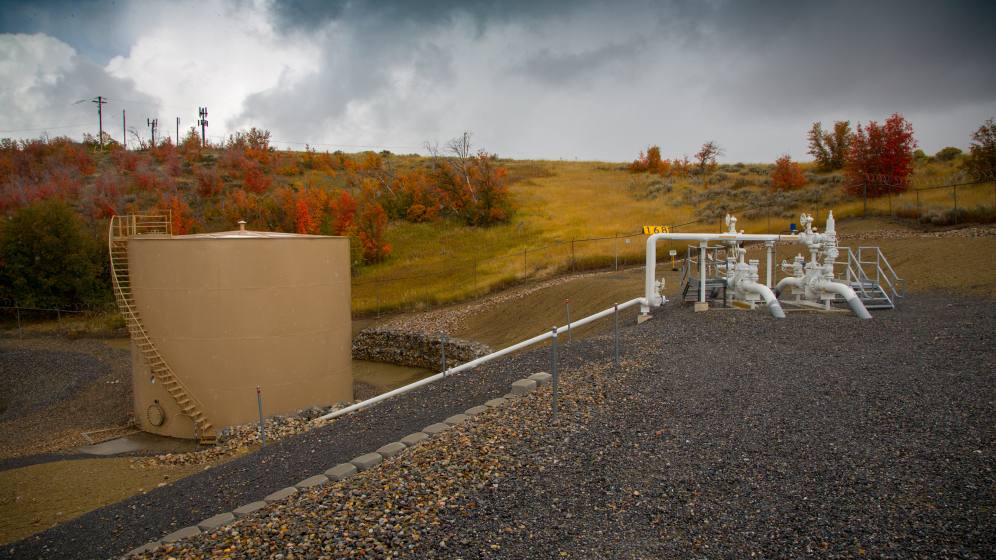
(891, 279)
(133, 224)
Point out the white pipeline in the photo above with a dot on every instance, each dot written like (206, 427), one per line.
(474, 363)
(785, 282)
(769, 297)
(852, 298)
(650, 294)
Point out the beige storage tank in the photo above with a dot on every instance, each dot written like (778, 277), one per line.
(231, 311)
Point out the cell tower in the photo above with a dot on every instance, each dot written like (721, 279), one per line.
(203, 113)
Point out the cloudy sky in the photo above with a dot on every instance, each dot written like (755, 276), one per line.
(531, 79)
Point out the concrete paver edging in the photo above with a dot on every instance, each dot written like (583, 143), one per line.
(364, 462)
(341, 471)
(216, 521)
(248, 508)
(311, 482)
(391, 449)
(412, 439)
(280, 494)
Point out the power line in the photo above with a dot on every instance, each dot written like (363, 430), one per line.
(342, 145)
(47, 127)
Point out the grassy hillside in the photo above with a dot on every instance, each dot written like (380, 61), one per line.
(564, 201)
(567, 216)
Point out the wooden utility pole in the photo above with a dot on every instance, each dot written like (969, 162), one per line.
(100, 117)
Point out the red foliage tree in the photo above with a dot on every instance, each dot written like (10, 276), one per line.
(371, 224)
(787, 174)
(707, 156)
(881, 157)
(256, 181)
(342, 210)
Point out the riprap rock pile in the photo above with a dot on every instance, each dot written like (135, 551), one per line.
(409, 348)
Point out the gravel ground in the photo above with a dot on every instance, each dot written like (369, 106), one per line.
(55, 389)
(26, 386)
(722, 434)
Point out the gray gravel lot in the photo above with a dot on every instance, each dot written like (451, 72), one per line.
(725, 434)
(20, 370)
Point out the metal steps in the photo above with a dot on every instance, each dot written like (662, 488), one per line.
(121, 228)
(871, 277)
(872, 295)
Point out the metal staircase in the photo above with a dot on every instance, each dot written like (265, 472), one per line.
(871, 277)
(149, 223)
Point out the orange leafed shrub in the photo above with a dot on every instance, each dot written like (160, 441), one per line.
(651, 162)
(256, 181)
(180, 215)
(419, 196)
(371, 161)
(787, 174)
(237, 205)
(208, 183)
(681, 167)
(190, 146)
(286, 165)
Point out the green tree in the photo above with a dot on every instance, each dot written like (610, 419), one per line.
(830, 148)
(982, 151)
(947, 154)
(47, 259)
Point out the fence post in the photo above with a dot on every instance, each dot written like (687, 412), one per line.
(525, 267)
(442, 349)
(617, 333)
(918, 220)
(865, 185)
(259, 401)
(956, 204)
(574, 263)
(58, 314)
(475, 280)
(617, 251)
(18, 308)
(568, 303)
(427, 291)
(554, 374)
(377, 288)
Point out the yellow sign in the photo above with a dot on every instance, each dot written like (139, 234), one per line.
(650, 230)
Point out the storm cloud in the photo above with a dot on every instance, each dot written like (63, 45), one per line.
(537, 80)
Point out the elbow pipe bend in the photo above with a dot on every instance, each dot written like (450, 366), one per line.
(769, 298)
(852, 298)
(785, 282)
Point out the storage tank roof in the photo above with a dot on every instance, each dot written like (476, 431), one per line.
(242, 234)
